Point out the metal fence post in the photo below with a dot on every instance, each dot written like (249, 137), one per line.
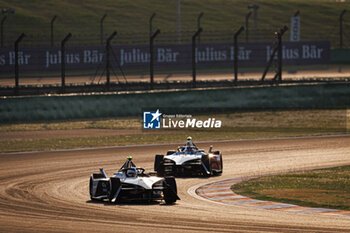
(199, 25)
(52, 21)
(108, 43)
(2, 30)
(341, 28)
(63, 61)
(101, 27)
(297, 13)
(278, 49)
(235, 44)
(151, 56)
(247, 26)
(194, 56)
(178, 21)
(280, 53)
(150, 24)
(16, 62)
(255, 7)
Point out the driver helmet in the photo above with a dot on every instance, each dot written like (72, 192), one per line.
(131, 173)
(189, 138)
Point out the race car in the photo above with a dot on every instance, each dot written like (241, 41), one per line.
(189, 160)
(131, 183)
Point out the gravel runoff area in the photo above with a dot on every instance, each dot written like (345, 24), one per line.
(333, 72)
(48, 191)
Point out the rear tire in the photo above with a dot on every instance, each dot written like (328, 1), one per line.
(170, 190)
(221, 163)
(206, 161)
(158, 165)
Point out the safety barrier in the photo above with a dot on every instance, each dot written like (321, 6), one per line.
(132, 104)
(340, 56)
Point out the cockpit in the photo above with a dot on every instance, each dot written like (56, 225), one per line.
(187, 149)
(134, 172)
(131, 172)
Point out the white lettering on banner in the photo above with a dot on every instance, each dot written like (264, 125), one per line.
(312, 52)
(135, 56)
(176, 56)
(287, 53)
(166, 55)
(92, 57)
(210, 54)
(23, 59)
(269, 52)
(2, 60)
(243, 54)
(55, 58)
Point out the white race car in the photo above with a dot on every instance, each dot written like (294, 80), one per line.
(131, 183)
(188, 161)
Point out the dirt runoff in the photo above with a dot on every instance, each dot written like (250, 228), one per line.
(71, 133)
(48, 191)
(327, 72)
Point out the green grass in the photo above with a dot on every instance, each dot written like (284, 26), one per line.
(137, 139)
(236, 125)
(324, 188)
(74, 124)
(295, 120)
(127, 17)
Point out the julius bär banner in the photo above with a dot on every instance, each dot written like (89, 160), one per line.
(165, 56)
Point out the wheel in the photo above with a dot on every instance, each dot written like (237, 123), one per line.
(206, 161)
(221, 163)
(114, 184)
(158, 165)
(169, 168)
(170, 190)
(157, 161)
(91, 189)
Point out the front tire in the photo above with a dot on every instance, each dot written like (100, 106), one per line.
(114, 185)
(170, 191)
(91, 190)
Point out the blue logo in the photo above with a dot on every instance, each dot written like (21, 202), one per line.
(151, 120)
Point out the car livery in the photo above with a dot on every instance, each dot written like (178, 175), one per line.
(131, 183)
(189, 161)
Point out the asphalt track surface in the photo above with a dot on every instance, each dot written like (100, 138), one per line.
(48, 191)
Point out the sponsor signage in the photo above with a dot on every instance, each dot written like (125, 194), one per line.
(295, 29)
(166, 56)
